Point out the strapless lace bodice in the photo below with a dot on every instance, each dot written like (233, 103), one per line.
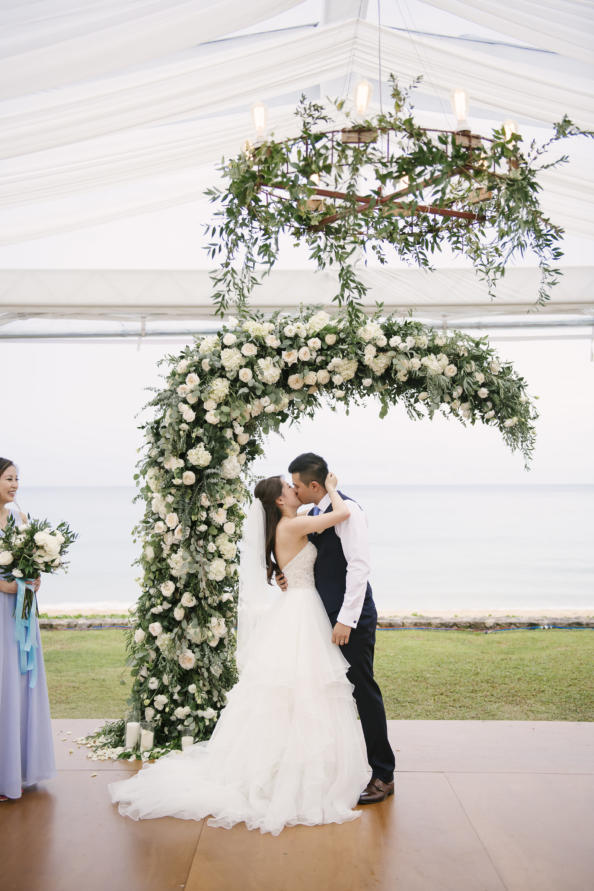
(299, 572)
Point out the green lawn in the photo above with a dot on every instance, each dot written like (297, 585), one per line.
(514, 675)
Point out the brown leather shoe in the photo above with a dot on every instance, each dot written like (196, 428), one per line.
(376, 790)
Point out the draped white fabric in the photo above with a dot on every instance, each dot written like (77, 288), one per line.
(50, 44)
(119, 108)
(562, 26)
(240, 75)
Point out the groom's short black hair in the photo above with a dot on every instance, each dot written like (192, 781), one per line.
(310, 467)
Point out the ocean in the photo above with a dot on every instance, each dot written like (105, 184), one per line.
(432, 547)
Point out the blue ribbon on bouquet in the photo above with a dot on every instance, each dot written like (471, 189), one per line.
(25, 633)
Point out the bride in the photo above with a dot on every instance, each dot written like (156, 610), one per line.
(288, 747)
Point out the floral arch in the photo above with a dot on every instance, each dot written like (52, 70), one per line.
(222, 396)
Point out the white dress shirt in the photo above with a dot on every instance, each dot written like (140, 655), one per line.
(354, 539)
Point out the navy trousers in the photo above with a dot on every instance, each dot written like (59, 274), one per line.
(359, 653)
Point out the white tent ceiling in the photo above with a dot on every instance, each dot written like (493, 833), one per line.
(114, 109)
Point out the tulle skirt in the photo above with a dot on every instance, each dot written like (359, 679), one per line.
(288, 748)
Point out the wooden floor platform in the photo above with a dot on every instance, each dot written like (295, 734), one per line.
(479, 806)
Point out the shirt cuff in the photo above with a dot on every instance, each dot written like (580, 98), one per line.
(346, 617)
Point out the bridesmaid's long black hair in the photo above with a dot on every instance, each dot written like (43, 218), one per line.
(268, 491)
(5, 463)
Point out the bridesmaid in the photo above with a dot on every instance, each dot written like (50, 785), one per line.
(26, 747)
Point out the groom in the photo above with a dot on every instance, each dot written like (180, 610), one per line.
(342, 579)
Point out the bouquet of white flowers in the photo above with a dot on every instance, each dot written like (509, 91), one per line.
(31, 548)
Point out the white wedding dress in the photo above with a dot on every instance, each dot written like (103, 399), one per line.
(288, 747)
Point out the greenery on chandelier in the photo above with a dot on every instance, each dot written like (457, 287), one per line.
(408, 190)
(222, 396)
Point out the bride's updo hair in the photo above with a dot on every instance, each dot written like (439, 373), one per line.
(267, 491)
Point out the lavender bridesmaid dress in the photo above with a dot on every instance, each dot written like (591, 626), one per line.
(26, 746)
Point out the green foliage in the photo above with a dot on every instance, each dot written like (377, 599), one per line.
(406, 171)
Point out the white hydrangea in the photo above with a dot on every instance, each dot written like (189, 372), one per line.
(346, 368)
(230, 468)
(216, 570)
(370, 331)
(268, 371)
(208, 344)
(199, 456)
(219, 389)
(318, 321)
(231, 359)
(379, 363)
(172, 463)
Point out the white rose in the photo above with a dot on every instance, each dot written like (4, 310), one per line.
(245, 375)
(186, 412)
(450, 370)
(440, 340)
(415, 363)
(295, 381)
(192, 689)
(479, 377)
(211, 417)
(421, 341)
(330, 339)
(367, 382)
(243, 438)
(249, 349)
(337, 379)
(483, 393)
(423, 396)
(272, 341)
(167, 588)
(149, 553)
(188, 478)
(188, 599)
(490, 414)
(153, 684)
(229, 339)
(229, 528)
(139, 636)
(290, 357)
(160, 701)
(182, 390)
(395, 341)
(340, 394)
(289, 331)
(155, 628)
(172, 520)
(495, 367)
(511, 422)
(314, 343)
(457, 392)
(182, 366)
(305, 354)
(205, 365)
(192, 380)
(6, 558)
(323, 377)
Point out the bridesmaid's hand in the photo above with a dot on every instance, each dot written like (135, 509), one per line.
(8, 587)
(35, 584)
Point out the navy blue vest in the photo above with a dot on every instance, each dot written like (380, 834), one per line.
(330, 571)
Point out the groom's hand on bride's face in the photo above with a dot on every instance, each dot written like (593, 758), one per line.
(340, 634)
(281, 581)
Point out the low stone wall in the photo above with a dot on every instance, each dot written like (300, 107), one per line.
(468, 623)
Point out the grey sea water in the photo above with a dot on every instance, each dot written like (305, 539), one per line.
(432, 547)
